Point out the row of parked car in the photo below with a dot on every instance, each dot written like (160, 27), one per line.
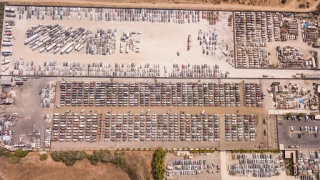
(157, 94)
(161, 127)
(240, 127)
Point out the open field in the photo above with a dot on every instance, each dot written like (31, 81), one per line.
(32, 168)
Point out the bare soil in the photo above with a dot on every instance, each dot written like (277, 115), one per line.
(32, 168)
(141, 160)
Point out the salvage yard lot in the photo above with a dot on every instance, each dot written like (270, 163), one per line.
(159, 43)
(101, 140)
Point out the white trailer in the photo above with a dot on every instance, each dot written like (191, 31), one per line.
(56, 50)
(66, 47)
(51, 46)
(42, 49)
(69, 49)
(6, 50)
(7, 43)
(32, 38)
(79, 48)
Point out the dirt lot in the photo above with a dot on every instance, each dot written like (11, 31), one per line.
(291, 5)
(142, 161)
(32, 168)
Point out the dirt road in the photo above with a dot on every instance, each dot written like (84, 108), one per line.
(271, 5)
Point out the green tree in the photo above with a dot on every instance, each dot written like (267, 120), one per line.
(301, 114)
(302, 6)
(69, 158)
(287, 115)
(20, 153)
(43, 157)
(158, 164)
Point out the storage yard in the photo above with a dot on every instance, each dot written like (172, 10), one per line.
(256, 165)
(259, 35)
(159, 94)
(62, 40)
(153, 114)
(183, 165)
(295, 96)
(183, 80)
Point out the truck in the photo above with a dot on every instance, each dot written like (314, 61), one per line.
(7, 43)
(189, 42)
(6, 61)
(69, 49)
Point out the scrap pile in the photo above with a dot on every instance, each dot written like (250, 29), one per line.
(101, 43)
(251, 39)
(307, 165)
(35, 138)
(292, 97)
(7, 121)
(47, 96)
(257, 165)
(187, 167)
(129, 43)
(5, 99)
(290, 57)
(289, 30)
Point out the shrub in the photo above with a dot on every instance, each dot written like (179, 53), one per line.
(302, 6)
(69, 158)
(283, 1)
(158, 164)
(20, 153)
(117, 159)
(318, 8)
(4, 152)
(14, 159)
(43, 157)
